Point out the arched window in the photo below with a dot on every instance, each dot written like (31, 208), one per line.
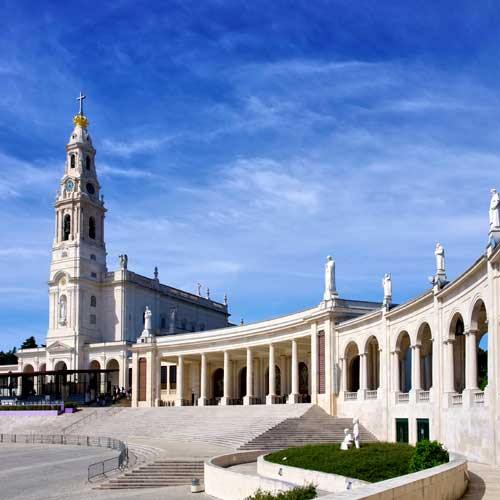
(87, 163)
(72, 161)
(92, 228)
(93, 301)
(66, 227)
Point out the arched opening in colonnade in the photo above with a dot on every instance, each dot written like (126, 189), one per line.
(218, 383)
(352, 364)
(242, 382)
(457, 333)
(28, 383)
(94, 379)
(277, 380)
(372, 352)
(113, 377)
(424, 340)
(404, 346)
(479, 328)
(303, 378)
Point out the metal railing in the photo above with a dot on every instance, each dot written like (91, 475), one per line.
(95, 469)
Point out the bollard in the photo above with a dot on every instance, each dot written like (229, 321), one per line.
(196, 487)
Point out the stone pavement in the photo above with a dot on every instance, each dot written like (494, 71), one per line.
(484, 482)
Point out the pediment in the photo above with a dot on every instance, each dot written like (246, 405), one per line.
(58, 346)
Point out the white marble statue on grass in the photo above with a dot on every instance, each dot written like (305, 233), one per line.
(348, 440)
(355, 432)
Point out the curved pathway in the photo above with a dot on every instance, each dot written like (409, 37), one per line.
(484, 482)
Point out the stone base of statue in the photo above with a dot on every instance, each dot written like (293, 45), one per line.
(293, 399)
(203, 401)
(494, 238)
(225, 401)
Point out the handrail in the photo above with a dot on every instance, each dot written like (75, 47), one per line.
(119, 462)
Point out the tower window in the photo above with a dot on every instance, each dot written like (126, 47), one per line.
(87, 162)
(92, 257)
(90, 188)
(92, 228)
(93, 301)
(93, 319)
(72, 161)
(66, 227)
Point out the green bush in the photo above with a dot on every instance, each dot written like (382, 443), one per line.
(428, 454)
(372, 462)
(299, 493)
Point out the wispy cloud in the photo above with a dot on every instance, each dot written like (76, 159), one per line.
(130, 148)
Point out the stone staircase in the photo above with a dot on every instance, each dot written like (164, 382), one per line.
(226, 426)
(157, 474)
(314, 427)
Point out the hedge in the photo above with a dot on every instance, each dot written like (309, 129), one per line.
(299, 493)
(372, 462)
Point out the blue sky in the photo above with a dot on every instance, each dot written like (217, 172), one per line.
(239, 143)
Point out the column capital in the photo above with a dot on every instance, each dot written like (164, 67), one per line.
(472, 331)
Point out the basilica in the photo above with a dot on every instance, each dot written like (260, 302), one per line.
(427, 368)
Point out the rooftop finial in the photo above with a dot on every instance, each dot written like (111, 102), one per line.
(80, 118)
(80, 98)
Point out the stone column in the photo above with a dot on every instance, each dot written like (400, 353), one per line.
(363, 373)
(271, 397)
(313, 372)
(157, 379)
(203, 399)
(344, 373)
(396, 385)
(224, 401)
(294, 396)
(416, 382)
(471, 361)
(247, 400)
(449, 367)
(179, 397)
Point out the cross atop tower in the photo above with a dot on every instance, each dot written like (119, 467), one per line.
(80, 98)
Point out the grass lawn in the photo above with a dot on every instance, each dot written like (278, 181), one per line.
(372, 462)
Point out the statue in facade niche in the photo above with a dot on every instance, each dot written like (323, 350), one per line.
(62, 310)
(495, 210)
(330, 290)
(439, 253)
(173, 319)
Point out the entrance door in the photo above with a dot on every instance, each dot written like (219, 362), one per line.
(422, 429)
(142, 379)
(402, 430)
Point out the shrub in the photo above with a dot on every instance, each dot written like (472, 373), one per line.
(299, 493)
(428, 454)
(372, 462)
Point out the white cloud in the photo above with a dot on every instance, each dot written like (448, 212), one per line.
(127, 149)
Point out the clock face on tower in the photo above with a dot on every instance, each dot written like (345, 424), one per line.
(70, 185)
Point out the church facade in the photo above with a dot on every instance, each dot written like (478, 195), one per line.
(96, 315)
(428, 368)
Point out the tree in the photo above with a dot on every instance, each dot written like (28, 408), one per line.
(29, 343)
(9, 357)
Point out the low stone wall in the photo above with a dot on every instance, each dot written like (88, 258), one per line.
(226, 484)
(322, 480)
(444, 482)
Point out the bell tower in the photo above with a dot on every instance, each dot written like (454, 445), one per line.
(78, 264)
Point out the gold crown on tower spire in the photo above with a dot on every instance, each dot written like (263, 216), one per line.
(80, 119)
